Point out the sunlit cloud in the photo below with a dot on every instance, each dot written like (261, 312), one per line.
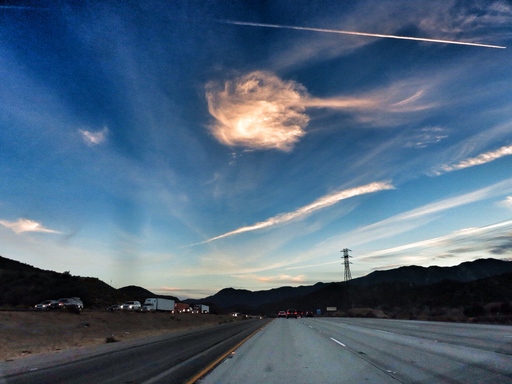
(94, 138)
(483, 158)
(279, 279)
(260, 111)
(26, 225)
(320, 203)
(354, 33)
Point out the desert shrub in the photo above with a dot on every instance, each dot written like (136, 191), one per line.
(110, 339)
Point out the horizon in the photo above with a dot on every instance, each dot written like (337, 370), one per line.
(263, 290)
(192, 147)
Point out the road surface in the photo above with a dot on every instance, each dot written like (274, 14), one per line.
(170, 359)
(342, 350)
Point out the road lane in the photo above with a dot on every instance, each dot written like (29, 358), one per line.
(288, 351)
(171, 359)
(444, 355)
(338, 350)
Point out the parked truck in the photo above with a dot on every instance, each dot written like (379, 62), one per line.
(157, 304)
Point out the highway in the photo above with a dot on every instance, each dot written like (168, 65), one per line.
(343, 350)
(170, 359)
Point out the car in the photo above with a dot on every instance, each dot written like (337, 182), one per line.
(69, 303)
(281, 314)
(115, 307)
(131, 306)
(44, 305)
(291, 313)
(309, 314)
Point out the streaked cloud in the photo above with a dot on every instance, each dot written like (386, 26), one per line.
(94, 138)
(261, 111)
(464, 240)
(483, 158)
(367, 34)
(320, 203)
(26, 225)
(280, 279)
(412, 219)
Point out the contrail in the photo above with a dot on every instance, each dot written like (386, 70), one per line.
(362, 34)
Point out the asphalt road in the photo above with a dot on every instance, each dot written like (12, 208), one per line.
(341, 350)
(170, 359)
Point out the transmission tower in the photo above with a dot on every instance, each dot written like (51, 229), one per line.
(347, 263)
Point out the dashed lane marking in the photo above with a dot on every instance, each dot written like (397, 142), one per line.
(338, 342)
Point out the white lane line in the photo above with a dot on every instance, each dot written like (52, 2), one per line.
(338, 342)
(379, 330)
(310, 326)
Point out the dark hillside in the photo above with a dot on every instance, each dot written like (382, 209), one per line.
(464, 272)
(22, 285)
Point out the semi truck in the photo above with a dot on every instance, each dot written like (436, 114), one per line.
(182, 308)
(157, 304)
(201, 308)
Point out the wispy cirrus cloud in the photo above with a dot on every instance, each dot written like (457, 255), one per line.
(322, 202)
(26, 225)
(94, 138)
(483, 158)
(409, 220)
(507, 203)
(466, 240)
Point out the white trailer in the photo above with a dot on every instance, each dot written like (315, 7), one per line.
(204, 308)
(157, 304)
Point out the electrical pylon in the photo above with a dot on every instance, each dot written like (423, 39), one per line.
(347, 263)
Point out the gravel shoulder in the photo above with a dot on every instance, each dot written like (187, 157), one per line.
(31, 336)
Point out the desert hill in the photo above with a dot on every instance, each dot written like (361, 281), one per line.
(22, 285)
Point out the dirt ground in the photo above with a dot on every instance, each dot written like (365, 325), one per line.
(27, 333)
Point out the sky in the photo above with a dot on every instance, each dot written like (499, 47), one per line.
(190, 146)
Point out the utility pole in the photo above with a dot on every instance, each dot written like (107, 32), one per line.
(347, 263)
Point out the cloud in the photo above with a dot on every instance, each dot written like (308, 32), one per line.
(94, 138)
(426, 137)
(280, 279)
(337, 31)
(322, 202)
(26, 225)
(258, 111)
(493, 238)
(507, 203)
(409, 220)
(483, 158)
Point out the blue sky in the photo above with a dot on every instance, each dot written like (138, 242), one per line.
(188, 146)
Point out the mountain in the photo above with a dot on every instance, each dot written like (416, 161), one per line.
(236, 299)
(464, 272)
(230, 297)
(24, 285)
